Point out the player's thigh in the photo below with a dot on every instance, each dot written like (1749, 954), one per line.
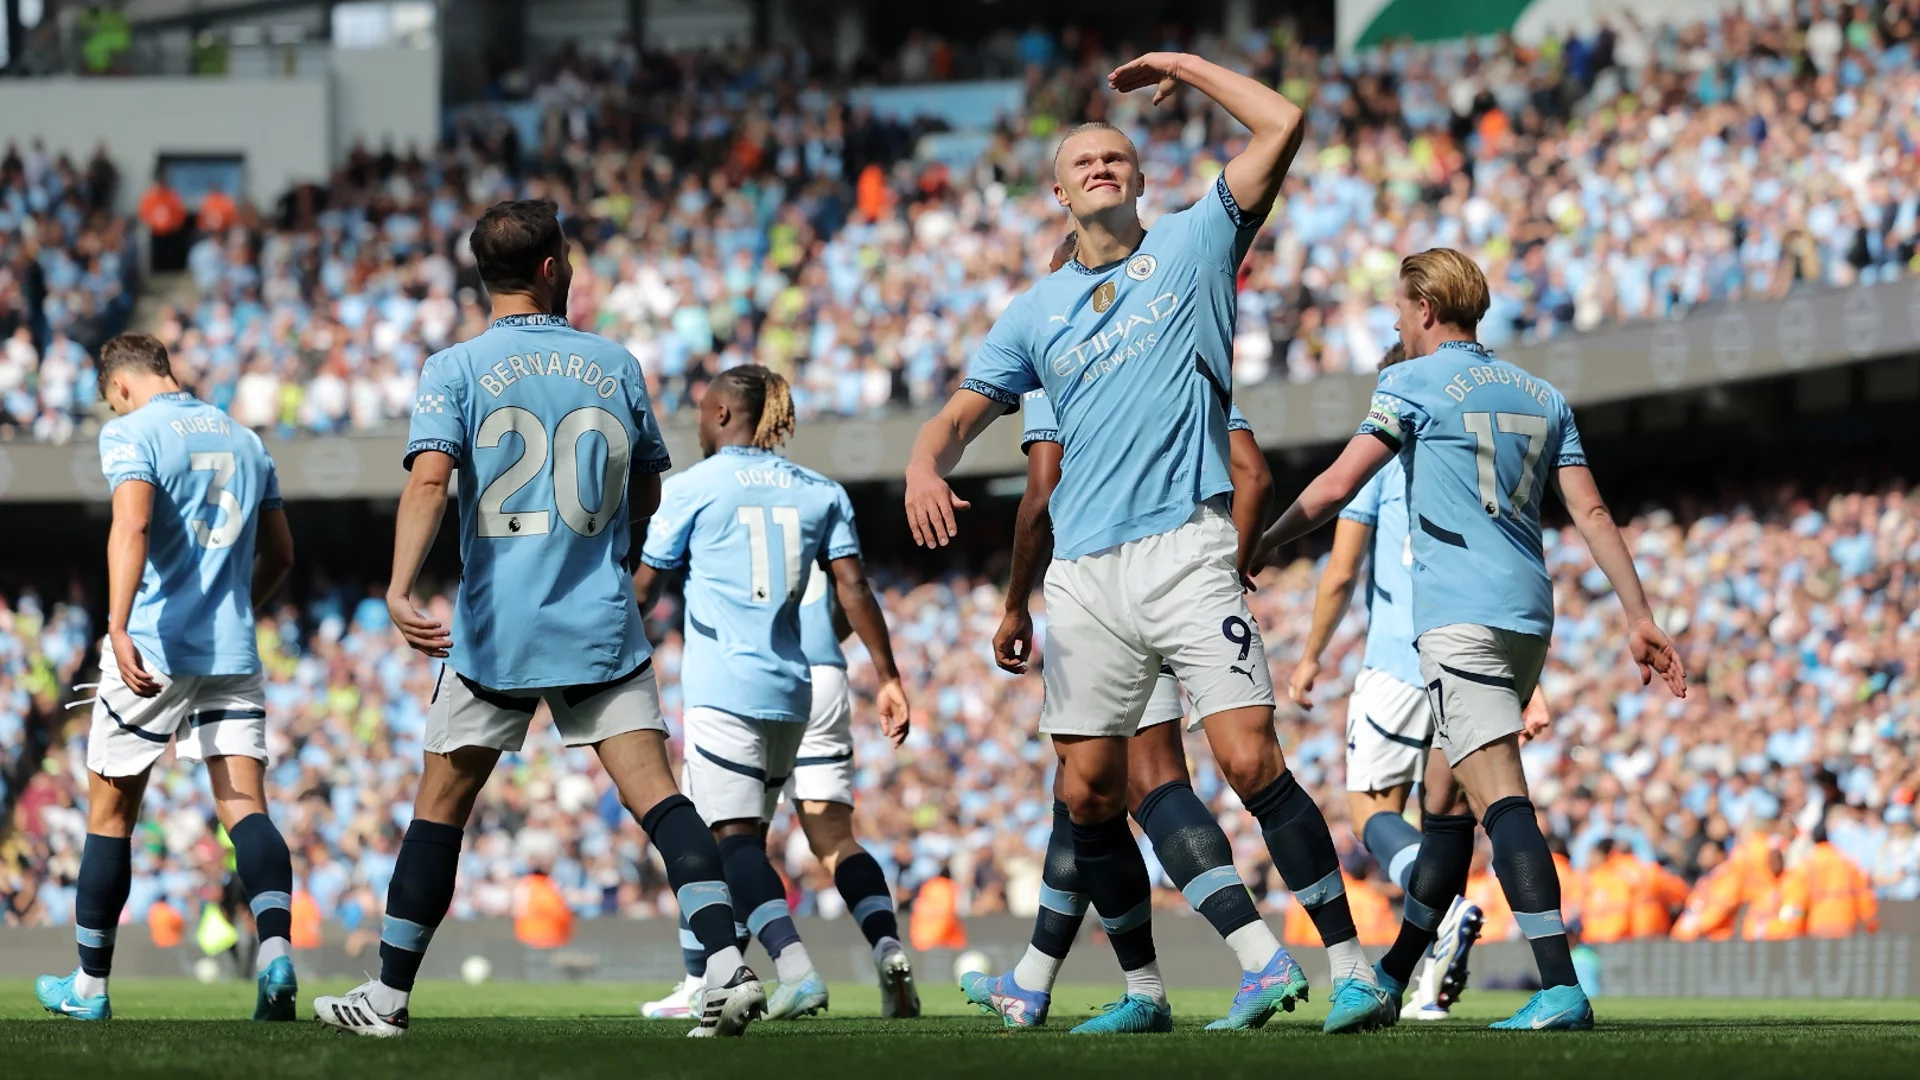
(1098, 675)
(1474, 676)
(1195, 616)
(823, 768)
(727, 765)
(595, 712)
(226, 718)
(465, 714)
(128, 733)
(239, 785)
(1389, 729)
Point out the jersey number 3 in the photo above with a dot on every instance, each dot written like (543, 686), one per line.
(228, 514)
(495, 521)
(1481, 426)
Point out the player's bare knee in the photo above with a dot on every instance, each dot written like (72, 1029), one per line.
(451, 782)
(1249, 764)
(829, 830)
(113, 803)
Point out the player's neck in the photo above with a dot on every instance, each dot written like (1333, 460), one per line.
(1444, 334)
(145, 390)
(507, 304)
(1104, 241)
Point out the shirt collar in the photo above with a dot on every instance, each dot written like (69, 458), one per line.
(172, 395)
(529, 320)
(1470, 346)
(757, 451)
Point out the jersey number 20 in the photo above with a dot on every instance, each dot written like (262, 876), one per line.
(496, 521)
(1481, 426)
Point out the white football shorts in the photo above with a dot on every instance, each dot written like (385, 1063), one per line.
(823, 767)
(464, 713)
(1389, 728)
(1479, 678)
(203, 716)
(736, 766)
(1116, 616)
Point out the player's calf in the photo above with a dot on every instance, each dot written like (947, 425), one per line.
(1116, 881)
(1437, 876)
(1527, 875)
(697, 873)
(266, 873)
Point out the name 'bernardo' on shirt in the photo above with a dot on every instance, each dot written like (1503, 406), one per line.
(1489, 375)
(514, 368)
(1098, 353)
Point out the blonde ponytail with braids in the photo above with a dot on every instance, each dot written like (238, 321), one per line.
(764, 395)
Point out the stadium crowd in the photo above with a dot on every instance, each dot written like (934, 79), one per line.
(1798, 611)
(735, 208)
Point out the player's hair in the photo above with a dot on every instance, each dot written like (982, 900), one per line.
(1064, 252)
(512, 239)
(1450, 282)
(134, 352)
(763, 395)
(1396, 353)
(1082, 129)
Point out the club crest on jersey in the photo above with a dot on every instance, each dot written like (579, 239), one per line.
(1103, 296)
(1141, 267)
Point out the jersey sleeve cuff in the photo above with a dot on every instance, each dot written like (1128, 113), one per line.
(988, 390)
(1038, 435)
(1385, 436)
(848, 551)
(1566, 460)
(273, 504)
(659, 563)
(1240, 218)
(654, 464)
(1239, 425)
(421, 446)
(114, 481)
(1360, 516)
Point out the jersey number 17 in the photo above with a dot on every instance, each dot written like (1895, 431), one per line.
(1481, 426)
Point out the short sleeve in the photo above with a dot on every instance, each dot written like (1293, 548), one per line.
(671, 528)
(1003, 368)
(1218, 229)
(1037, 422)
(649, 452)
(270, 489)
(125, 456)
(438, 411)
(1236, 421)
(1393, 416)
(1365, 507)
(843, 540)
(1571, 451)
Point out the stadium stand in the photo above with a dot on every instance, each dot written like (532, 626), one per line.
(1632, 174)
(1805, 742)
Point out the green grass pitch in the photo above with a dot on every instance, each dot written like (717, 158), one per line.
(526, 1031)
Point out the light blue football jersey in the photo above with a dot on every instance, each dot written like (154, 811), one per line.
(546, 423)
(1479, 438)
(193, 613)
(1382, 503)
(818, 638)
(1037, 422)
(747, 524)
(1135, 358)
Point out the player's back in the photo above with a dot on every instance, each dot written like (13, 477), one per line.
(747, 524)
(546, 424)
(1383, 505)
(193, 613)
(1485, 439)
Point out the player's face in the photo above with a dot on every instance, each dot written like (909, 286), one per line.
(1096, 171)
(713, 417)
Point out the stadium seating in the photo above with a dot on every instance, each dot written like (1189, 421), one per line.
(1806, 715)
(1633, 174)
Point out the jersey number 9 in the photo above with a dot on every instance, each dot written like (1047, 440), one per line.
(495, 521)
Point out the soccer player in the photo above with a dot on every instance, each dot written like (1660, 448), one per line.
(746, 523)
(1480, 440)
(556, 445)
(198, 540)
(1132, 342)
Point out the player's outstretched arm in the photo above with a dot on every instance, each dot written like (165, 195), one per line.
(1032, 546)
(1255, 175)
(1252, 488)
(126, 564)
(936, 450)
(1646, 642)
(422, 504)
(1330, 602)
(272, 557)
(1324, 497)
(856, 598)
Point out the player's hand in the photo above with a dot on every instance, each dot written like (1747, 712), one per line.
(421, 632)
(1262, 556)
(133, 670)
(1535, 718)
(1013, 642)
(930, 507)
(1654, 654)
(896, 719)
(1300, 687)
(1160, 70)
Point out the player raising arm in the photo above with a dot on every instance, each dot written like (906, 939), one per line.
(1475, 432)
(556, 447)
(199, 539)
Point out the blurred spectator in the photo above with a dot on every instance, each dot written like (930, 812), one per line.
(165, 216)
